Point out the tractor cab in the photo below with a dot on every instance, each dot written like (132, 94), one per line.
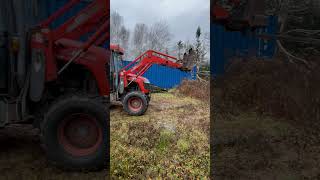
(116, 63)
(127, 88)
(127, 83)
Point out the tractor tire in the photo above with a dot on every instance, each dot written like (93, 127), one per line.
(75, 134)
(135, 103)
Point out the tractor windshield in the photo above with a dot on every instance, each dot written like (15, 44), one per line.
(115, 67)
(117, 61)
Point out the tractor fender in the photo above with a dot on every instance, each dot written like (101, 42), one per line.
(140, 82)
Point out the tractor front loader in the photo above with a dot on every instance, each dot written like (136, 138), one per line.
(128, 85)
(63, 88)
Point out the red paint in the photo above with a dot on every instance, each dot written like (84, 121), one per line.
(143, 63)
(79, 134)
(219, 13)
(135, 104)
(59, 44)
(222, 14)
(95, 60)
(116, 48)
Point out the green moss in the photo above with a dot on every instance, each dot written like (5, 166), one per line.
(165, 139)
(183, 145)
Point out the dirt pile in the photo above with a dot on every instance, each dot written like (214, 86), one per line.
(195, 88)
(276, 87)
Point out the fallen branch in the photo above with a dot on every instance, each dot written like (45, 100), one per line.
(283, 49)
(200, 79)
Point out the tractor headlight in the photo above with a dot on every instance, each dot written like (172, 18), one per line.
(146, 81)
(121, 86)
(147, 84)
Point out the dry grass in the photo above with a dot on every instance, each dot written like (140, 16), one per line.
(266, 118)
(169, 141)
(194, 88)
(274, 87)
(21, 157)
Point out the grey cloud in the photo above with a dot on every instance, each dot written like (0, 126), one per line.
(183, 16)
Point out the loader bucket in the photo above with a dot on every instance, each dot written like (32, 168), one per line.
(189, 60)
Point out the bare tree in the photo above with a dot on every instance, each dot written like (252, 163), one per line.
(206, 47)
(119, 33)
(159, 36)
(124, 36)
(139, 39)
(180, 47)
(298, 19)
(116, 22)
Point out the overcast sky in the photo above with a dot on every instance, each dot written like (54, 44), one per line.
(183, 16)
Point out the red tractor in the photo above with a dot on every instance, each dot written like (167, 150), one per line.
(61, 85)
(128, 84)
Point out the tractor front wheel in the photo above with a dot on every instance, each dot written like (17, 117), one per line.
(135, 103)
(75, 132)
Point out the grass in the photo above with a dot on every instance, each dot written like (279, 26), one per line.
(170, 141)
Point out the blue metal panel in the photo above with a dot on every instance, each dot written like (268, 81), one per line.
(227, 44)
(53, 6)
(166, 77)
(16, 17)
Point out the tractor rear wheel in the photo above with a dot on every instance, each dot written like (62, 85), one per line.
(75, 134)
(135, 103)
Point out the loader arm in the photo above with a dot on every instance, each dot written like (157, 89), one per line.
(88, 20)
(149, 58)
(65, 45)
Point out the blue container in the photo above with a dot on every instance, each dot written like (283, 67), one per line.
(227, 44)
(166, 77)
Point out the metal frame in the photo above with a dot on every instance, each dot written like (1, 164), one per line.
(62, 44)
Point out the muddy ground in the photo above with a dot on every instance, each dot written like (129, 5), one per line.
(170, 141)
(22, 158)
(253, 146)
(266, 121)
